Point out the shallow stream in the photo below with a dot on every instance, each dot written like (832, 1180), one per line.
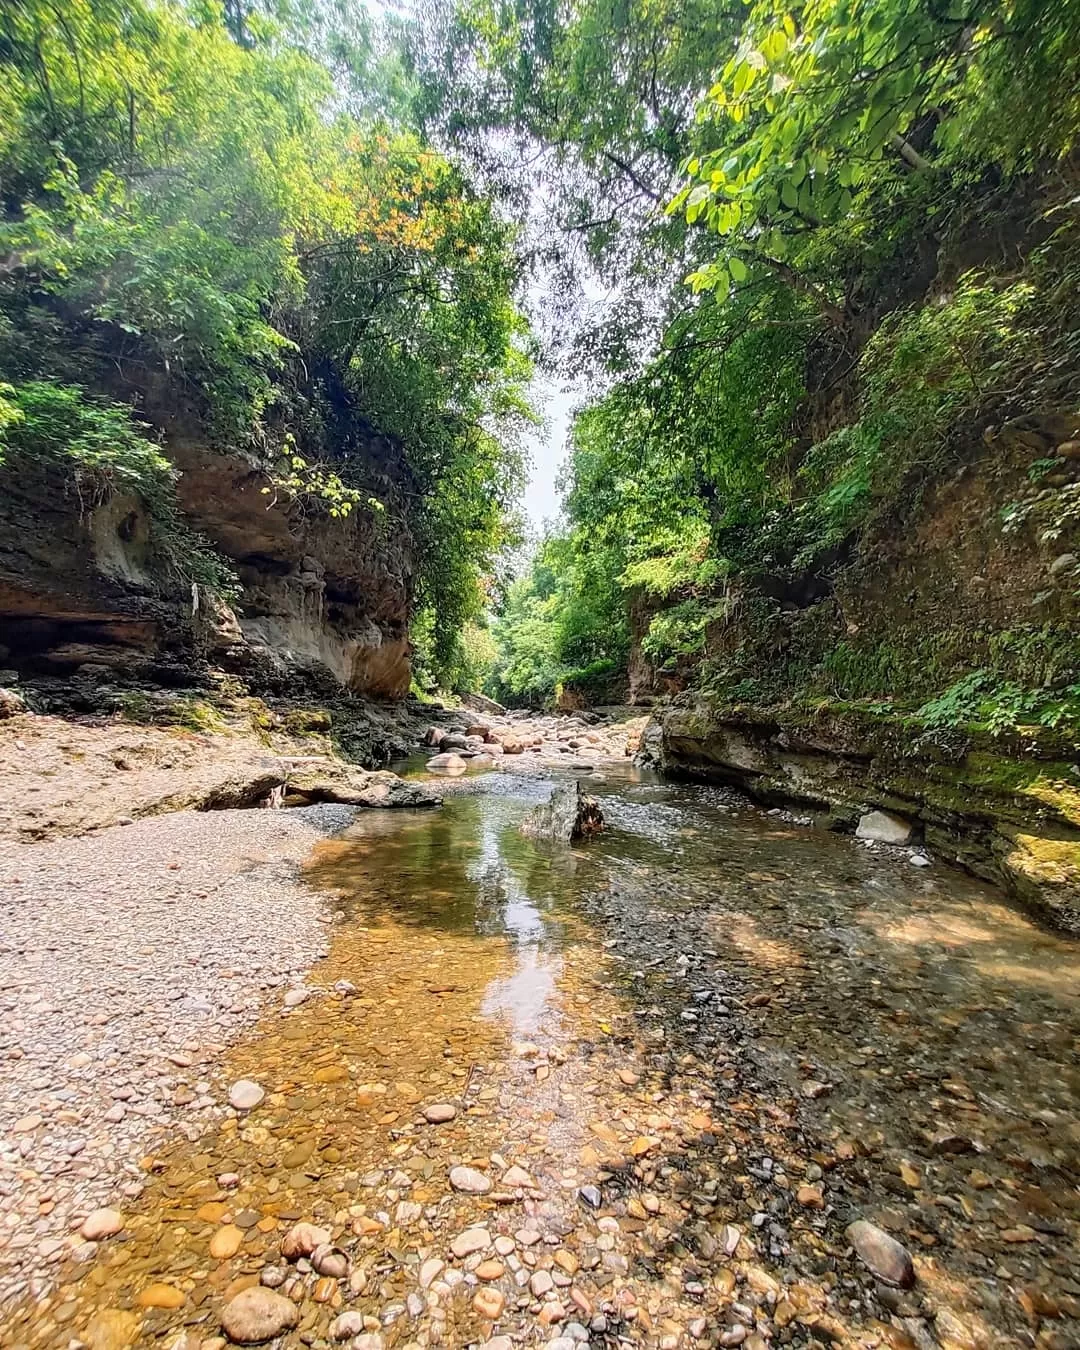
(710, 1039)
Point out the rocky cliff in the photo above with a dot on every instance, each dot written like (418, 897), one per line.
(92, 581)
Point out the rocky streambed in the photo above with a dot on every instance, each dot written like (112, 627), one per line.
(712, 1077)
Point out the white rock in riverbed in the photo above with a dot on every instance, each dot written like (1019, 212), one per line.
(471, 1181)
(245, 1095)
(101, 1224)
(883, 828)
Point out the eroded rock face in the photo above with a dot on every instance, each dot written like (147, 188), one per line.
(316, 590)
(81, 582)
(89, 584)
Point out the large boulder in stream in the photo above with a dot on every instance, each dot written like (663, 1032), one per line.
(447, 763)
(568, 816)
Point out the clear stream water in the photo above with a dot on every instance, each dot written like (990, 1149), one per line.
(710, 1037)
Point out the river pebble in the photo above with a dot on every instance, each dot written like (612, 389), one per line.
(749, 1032)
(123, 969)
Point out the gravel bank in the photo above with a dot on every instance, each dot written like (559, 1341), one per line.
(128, 958)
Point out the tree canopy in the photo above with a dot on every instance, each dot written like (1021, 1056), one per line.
(832, 233)
(826, 235)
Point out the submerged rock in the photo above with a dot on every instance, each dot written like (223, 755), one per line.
(257, 1315)
(569, 815)
(112, 1329)
(245, 1095)
(888, 1259)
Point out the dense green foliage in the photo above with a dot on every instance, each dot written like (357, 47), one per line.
(563, 623)
(842, 239)
(225, 210)
(836, 242)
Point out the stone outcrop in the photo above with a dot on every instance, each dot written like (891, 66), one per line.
(90, 583)
(65, 778)
(1006, 808)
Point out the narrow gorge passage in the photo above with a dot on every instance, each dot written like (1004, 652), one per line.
(633, 1092)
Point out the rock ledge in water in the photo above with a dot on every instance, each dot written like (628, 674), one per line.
(570, 815)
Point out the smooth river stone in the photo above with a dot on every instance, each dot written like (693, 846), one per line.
(245, 1095)
(256, 1315)
(489, 1303)
(162, 1296)
(471, 1181)
(226, 1242)
(102, 1223)
(472, 1240)
(888, 1259)
(439, 1113)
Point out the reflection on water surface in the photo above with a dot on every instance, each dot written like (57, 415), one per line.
(742, 1033)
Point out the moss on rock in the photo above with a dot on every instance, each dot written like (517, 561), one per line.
(1006, 808)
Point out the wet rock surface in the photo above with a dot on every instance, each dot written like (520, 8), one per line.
(717, 1071)
(569, 816)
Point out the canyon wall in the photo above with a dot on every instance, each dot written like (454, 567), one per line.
(92, 582)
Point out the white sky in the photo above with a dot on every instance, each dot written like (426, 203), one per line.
(547, 451)
(557, 396)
